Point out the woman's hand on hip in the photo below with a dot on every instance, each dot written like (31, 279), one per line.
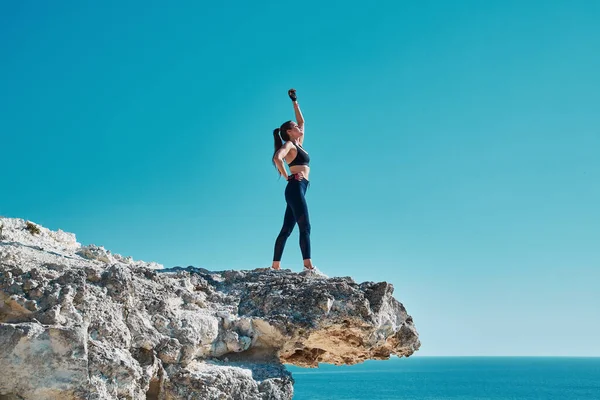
(299, 176)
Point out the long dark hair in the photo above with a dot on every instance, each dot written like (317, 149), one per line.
(280, 134)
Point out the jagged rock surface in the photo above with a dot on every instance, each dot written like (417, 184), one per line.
(90, 324)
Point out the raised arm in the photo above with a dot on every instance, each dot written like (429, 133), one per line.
(299, 117)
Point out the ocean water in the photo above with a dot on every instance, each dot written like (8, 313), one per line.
(466, 378)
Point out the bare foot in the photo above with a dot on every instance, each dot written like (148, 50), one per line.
(276, 265)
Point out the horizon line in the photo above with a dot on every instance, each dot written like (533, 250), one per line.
(500, 356)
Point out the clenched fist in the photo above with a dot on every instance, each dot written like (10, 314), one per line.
(292, 94)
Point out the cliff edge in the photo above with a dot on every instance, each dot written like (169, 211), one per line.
(79, 322)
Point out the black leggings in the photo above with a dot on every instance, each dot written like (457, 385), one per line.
(296, 212)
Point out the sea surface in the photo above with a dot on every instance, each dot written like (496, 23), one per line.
(468, 378)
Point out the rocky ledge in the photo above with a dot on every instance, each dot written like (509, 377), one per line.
(78, 322)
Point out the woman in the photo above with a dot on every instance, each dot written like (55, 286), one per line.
(298, 161)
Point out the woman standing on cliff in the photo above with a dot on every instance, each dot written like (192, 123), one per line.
(298, 161)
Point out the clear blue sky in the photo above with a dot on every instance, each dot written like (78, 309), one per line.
(455, 148)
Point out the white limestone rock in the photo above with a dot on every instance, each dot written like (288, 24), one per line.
(89, 324)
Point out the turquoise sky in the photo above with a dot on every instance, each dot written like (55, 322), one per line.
(455, 148)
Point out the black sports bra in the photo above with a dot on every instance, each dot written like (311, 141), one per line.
(302, 157)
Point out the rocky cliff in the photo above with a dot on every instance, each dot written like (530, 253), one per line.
(78, 322)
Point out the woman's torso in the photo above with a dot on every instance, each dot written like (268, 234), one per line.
(292, 155)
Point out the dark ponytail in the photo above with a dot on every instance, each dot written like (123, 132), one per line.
(280, 134)
(278, 140)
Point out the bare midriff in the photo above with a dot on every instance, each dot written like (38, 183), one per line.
(305, 169)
